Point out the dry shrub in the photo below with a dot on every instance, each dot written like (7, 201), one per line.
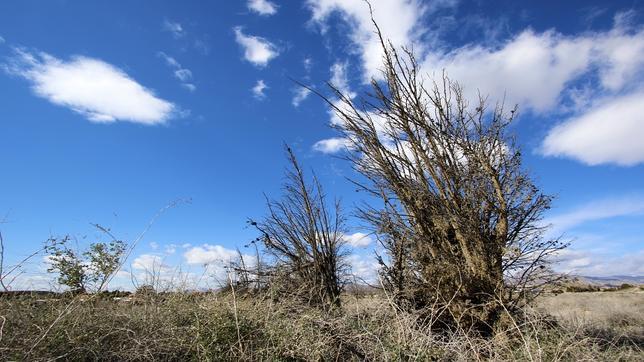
(303, 234)
(457, 214)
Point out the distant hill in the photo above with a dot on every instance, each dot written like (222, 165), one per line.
(613, 280)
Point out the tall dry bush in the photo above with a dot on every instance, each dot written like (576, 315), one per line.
(304, 234)
(460, 218)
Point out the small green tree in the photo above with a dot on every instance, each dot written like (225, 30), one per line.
(89, 270)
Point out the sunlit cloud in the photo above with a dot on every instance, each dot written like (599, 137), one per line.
(97, 90)
(257, 50)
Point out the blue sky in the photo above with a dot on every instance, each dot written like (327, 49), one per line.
(111, 110)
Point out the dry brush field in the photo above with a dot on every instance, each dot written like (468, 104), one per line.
(603, 326)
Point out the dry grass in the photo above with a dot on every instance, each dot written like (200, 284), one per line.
(616, 316)
(219, 327)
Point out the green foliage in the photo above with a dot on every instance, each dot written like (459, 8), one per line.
(83, 271)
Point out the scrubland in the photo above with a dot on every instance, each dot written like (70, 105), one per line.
(464, 250)
(603, 326)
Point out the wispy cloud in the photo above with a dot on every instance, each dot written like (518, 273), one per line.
(589, 263)
(2, 41)
(358, 239)
(262, 7)
(170, 61)
(597, 210)
(258, 89)
(91, 87)
(300, 94)
(308, 64)
(591, 13)
(189, 86)
(339, 78)
(149, 262)
(332, 145)
(170, 249)
(174, 28)
(602, 255)
(202, 46)
(184, 75)
(257, 50)
(215, 258)
(340, 81)
(399, 28)
(364, 267)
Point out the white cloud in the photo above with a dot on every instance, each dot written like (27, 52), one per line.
(535, 70)
(258, 89)
(589, 263)
(602, 255)
(151, 269)
(184, 75)
(170, 249)
(97, 90)
(257, 50)
(2, 41)
(531, 69)
(308, 63)
(175, 28)
(597, 210)
(300, 95)
(332, 145)
(358, 239)
(170, 61)
(154, 245)
(620, 53)
(398, 20)
(262, 7)
(569, 260)
(215, 259)
(340, 81)
(149, 263)
(31, 281)
(189, 86)
(610, 132)
(364, 268)
(339, 78)
(544, 72)
(209, 254)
